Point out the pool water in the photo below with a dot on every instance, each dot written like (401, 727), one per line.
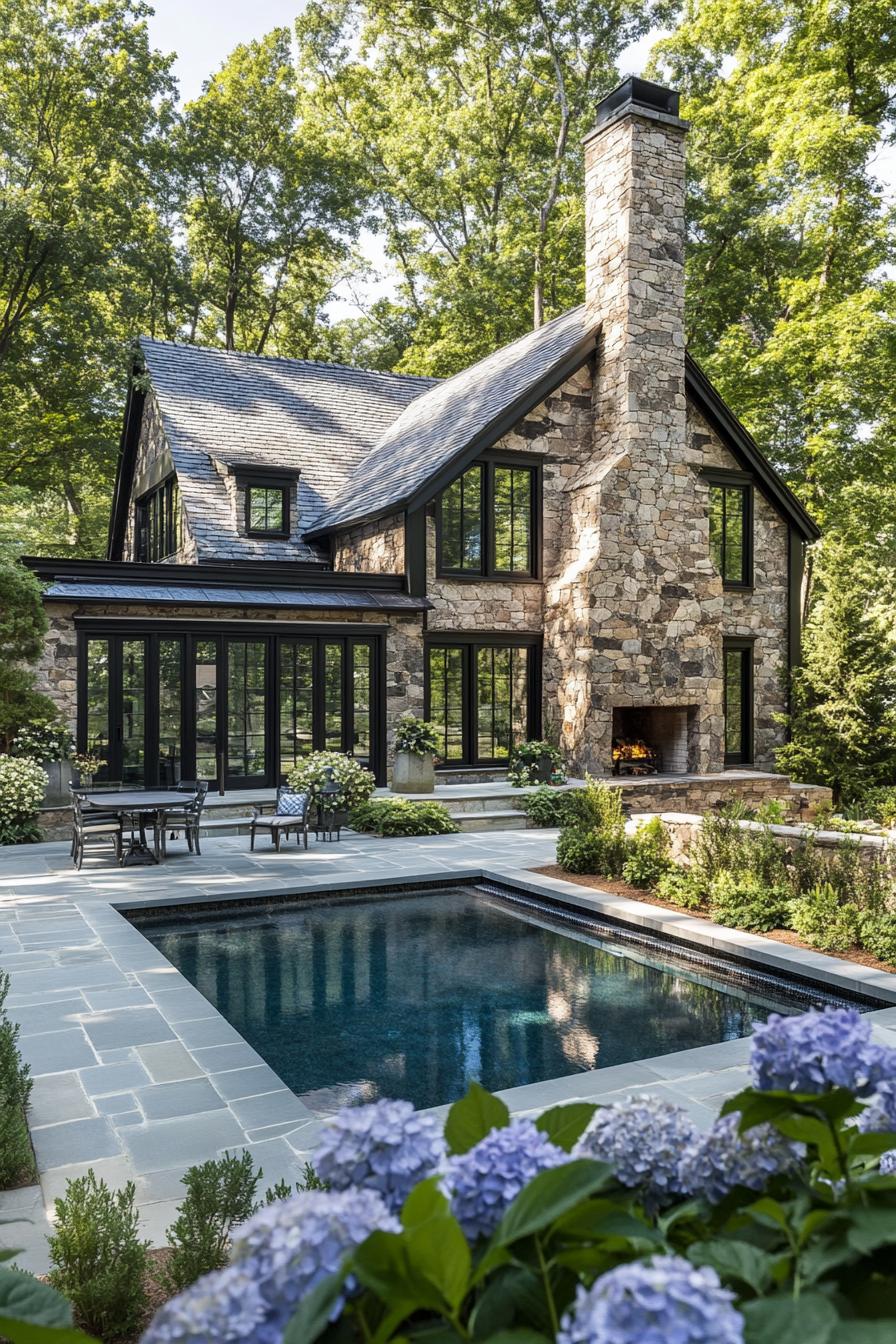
(415, 995)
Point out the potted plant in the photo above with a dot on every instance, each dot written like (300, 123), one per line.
(535, 763)
(317, 771)
(50, 745)
(87, 764)
(415, 749)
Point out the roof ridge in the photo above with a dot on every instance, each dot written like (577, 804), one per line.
(286, 359)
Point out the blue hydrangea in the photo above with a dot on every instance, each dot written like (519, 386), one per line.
(387, 1147)
(663, 1301)
(879, 1116)
(817, 1051)
(715, 1162)
(888, 1162)
(643, 1138)
(483, 1182)
(290, 1246)
(226, 1305)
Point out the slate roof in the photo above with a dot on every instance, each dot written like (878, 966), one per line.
(434, 430)
(187, 594)
(321, 419)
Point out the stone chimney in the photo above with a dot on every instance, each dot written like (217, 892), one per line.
(639, 576)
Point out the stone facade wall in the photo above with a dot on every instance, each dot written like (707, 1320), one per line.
(153, 465)
(372, 548)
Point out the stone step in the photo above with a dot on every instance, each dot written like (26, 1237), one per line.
(504, 819)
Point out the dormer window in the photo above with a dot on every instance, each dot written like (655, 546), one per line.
(267, 510)
(158, 522)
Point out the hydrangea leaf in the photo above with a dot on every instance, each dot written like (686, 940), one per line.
(26, 1332)
(515, 1294)
(24, 1298)
(871, 1228)
(565, 1125)
(472, 1118)
(548, 1196)
(807, 1319)
(738, 1260)
(383, 1264)
(439, 1253)
(757, 1107)
(314, 1312)
(866, 1332)
(425, 1201)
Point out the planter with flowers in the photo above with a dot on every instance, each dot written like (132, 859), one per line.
(415, 748)
(535, 763)
(87, 764)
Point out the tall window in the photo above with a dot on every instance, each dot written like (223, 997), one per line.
(158, 522)
(486, 522)
(738, 691)
(730, 528)
(96, 702)
(266, 510)
(170, 710)
(481, 698)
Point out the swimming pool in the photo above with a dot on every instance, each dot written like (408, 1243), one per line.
(413, 994)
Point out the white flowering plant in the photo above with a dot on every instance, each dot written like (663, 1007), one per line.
(311, 775)
(40, 741)
(617, 1224)
(23, 785)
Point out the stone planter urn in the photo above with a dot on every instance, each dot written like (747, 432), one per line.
(60, 776)
(413, 773)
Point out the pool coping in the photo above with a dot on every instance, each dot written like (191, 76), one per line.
(272, 1122)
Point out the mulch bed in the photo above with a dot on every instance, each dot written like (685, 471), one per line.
(616, 887)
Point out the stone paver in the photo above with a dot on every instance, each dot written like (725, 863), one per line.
(138, 1076)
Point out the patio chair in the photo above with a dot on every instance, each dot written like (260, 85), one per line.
(91, 825)
(290, 814)
(198, 788)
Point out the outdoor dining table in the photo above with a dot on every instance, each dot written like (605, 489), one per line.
(137, 805)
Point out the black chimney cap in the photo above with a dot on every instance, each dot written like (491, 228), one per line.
(638, 93)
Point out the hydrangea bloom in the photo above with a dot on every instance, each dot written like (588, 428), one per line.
(715, 1162)
(888, 1162)
(292, 1245)
(879, 1116)
(665, 1301)
(483, 1182)
(222, 1306)
(643, 1138)
(818, 1050)
(387, 1147)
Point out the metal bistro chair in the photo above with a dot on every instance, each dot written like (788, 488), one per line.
(92, 825)
(192, 812)
(291, 814)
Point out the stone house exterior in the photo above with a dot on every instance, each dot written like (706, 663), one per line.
(573, 538)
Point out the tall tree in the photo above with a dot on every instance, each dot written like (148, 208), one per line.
(84, 106)
(469, 117)
(272, 203)
(790, 303)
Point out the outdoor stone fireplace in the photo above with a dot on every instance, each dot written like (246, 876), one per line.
(648, 739)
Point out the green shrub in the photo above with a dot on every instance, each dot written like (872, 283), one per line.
(772, 812)
(880, 805)
(16, 1157)
(743, 901)
(648, 854)
(220, 1194)
(679, 886)
(282, 1189)
(97, 1259)
(311, 774)
(552, 807)
(401, 816)
(877, 934)
(580, 851)
(822, 920)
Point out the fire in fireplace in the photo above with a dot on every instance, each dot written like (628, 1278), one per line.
(634, 756)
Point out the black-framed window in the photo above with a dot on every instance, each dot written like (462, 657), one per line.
(267, 510)
(159, 705)
(731, 530)
(737, 656)
(158, 522)
(484, 697)
(487, 522)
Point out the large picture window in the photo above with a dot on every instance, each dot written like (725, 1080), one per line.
(731, 531)
(738, 700)
(483, 698)
(487, 522)
(158, 522)
(159, 706)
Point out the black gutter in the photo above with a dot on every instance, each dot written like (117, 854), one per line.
(234, 573)
(745, 447)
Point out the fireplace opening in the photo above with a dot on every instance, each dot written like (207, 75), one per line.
(648, 740)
